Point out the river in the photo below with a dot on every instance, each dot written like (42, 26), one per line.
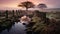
(17, 28)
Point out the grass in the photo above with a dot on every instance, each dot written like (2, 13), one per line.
(39, 25)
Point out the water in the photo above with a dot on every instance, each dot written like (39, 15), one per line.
(17, 28)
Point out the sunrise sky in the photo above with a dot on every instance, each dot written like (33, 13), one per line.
(12, 4)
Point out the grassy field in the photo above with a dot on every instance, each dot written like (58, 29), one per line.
(41, 23)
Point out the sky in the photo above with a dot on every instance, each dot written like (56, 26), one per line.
(12, 4)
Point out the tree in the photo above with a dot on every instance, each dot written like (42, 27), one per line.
(0, 13)
(7, 14)
(13, 13)
(26, 4)
(42, 6)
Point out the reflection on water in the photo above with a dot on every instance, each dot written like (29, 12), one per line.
(17, 28)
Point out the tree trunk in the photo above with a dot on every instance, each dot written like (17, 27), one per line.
(26, 9)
